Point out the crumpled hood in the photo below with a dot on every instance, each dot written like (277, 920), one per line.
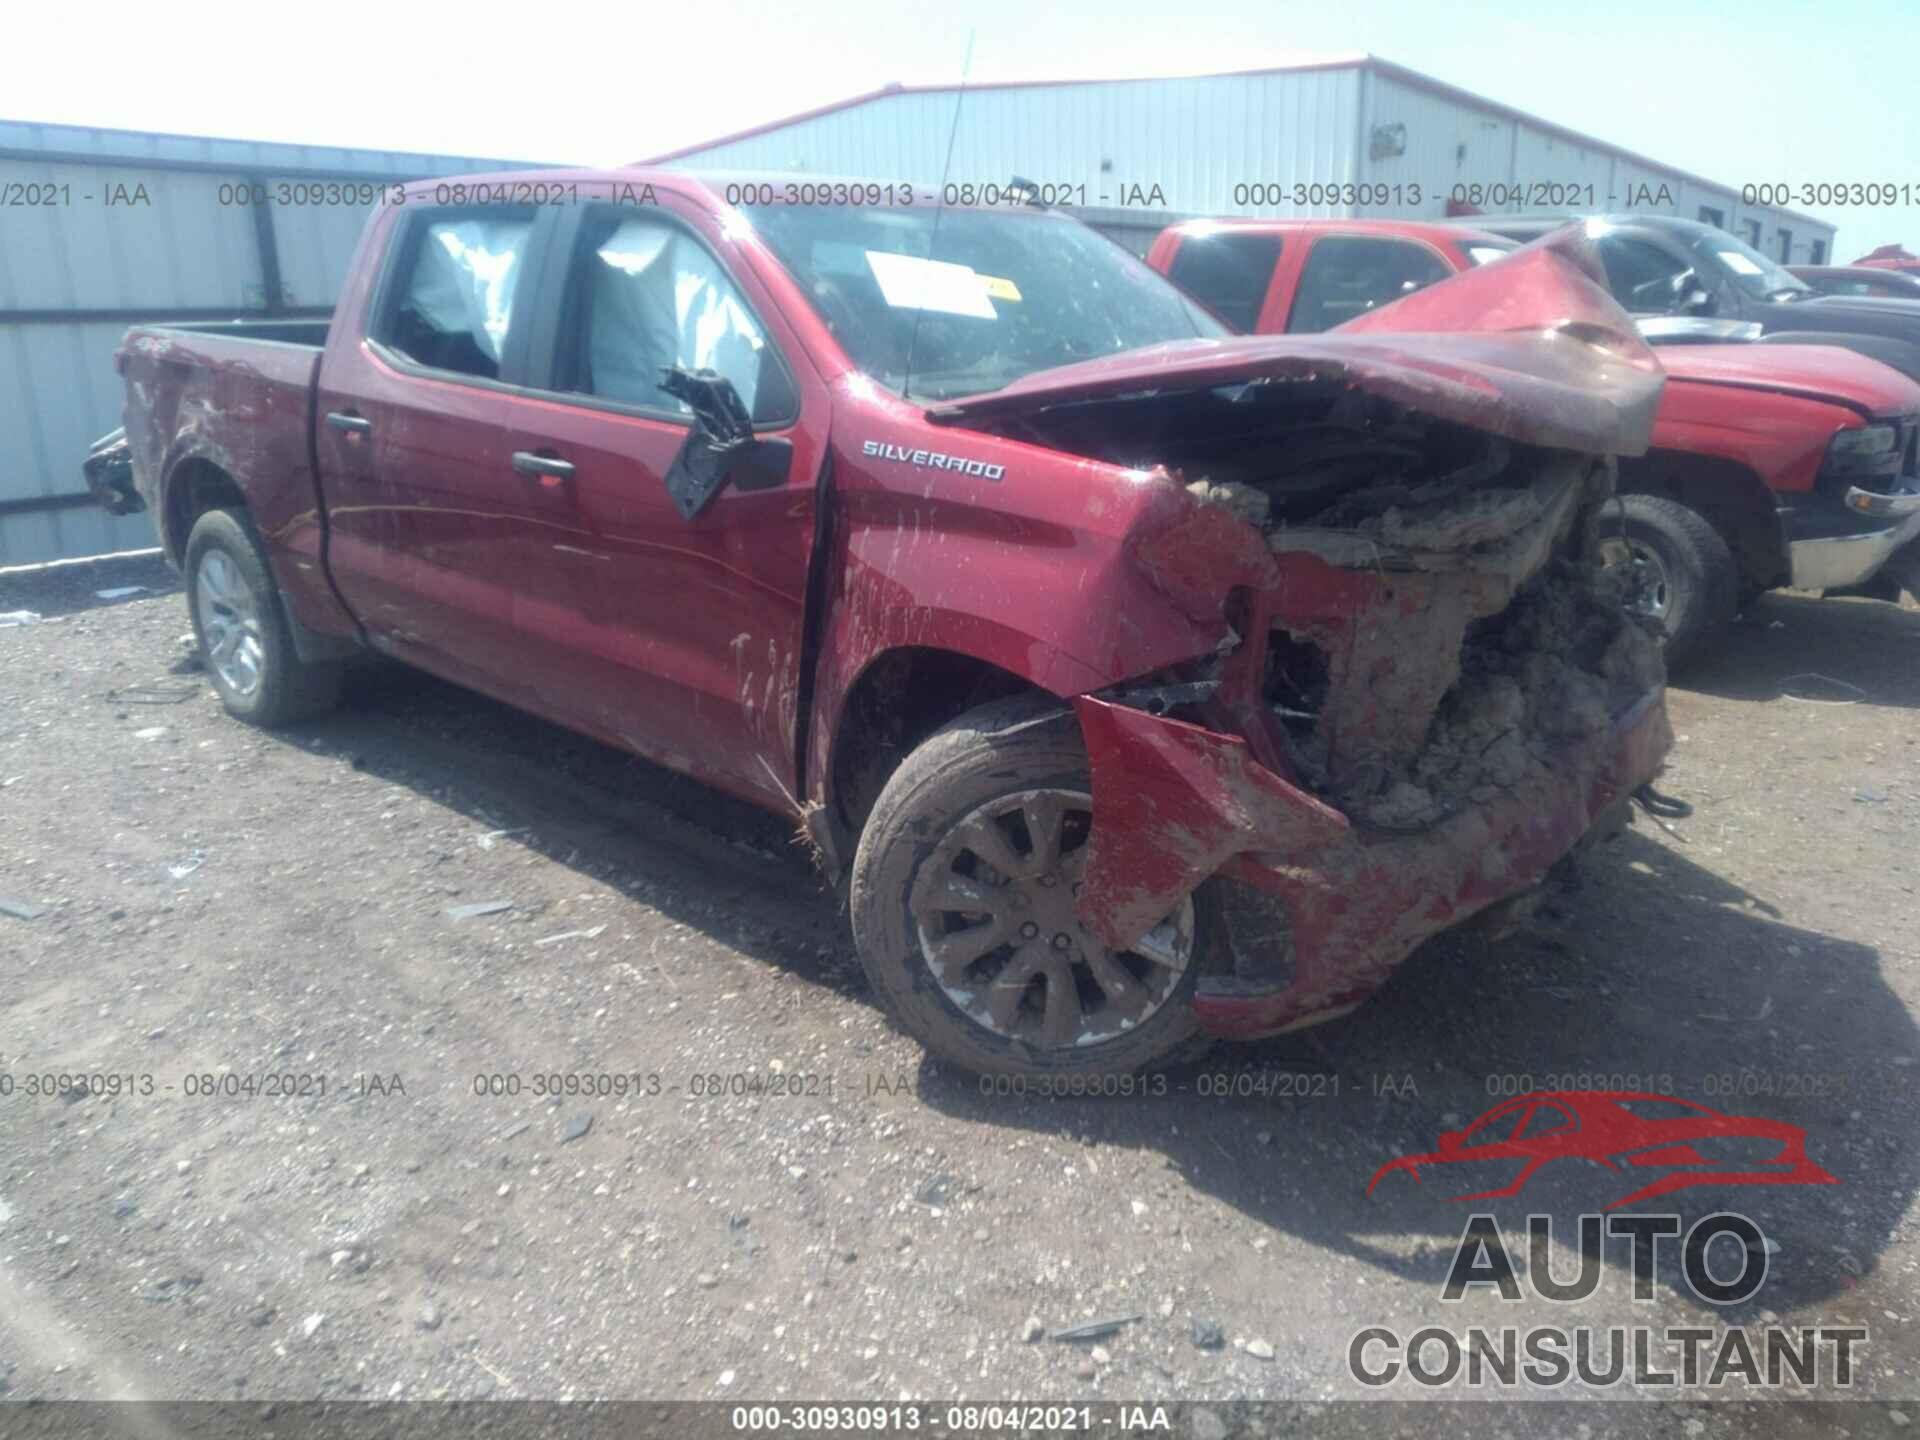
(1530, 347)
(1813, 372)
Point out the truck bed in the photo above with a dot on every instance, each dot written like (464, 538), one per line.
(234, 399)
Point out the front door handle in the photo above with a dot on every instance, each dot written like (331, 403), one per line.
(346, 420)
(551, 466)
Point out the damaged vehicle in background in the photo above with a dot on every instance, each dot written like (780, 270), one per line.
(1142, 684)
(1768, 465)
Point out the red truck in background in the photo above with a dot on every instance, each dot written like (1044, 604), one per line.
(1769, 464)
(1890, 257)
(1142, 683)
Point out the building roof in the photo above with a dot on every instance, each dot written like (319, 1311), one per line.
(1353, 60)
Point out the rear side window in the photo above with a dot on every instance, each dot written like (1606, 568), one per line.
(1228, 273)
(452, 294)
(1651, 1108)
(1348, 275)
(645, 296)
(1640, 275)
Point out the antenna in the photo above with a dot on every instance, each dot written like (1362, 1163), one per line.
(939, 209)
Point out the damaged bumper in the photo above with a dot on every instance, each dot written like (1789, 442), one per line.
(1317, 910)
(1430, 691)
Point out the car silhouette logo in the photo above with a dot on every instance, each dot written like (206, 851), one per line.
(1676, 1143)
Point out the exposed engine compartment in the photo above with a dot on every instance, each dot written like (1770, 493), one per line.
(1486, 636)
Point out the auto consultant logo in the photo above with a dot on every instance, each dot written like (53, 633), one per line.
(1666, 1143)
(1654, 1145)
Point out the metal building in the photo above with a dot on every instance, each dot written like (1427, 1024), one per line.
(100, 229)
(1344, 136)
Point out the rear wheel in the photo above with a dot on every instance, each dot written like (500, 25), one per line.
(963, 895)
(242, 630)
(1685, 575)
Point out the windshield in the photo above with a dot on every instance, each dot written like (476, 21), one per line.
(1748, 268)
(935, 305)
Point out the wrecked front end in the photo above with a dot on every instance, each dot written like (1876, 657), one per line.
(1428, 690)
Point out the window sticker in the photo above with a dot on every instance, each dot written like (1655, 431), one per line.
(1738, 263)
(1001, 288)
(908, 282)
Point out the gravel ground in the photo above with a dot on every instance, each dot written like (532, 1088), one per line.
(789, 1201)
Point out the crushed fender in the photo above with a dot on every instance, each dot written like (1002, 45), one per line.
(1435, 690)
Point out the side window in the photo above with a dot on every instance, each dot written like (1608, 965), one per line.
(1544, 1119)
(645, 296)
(1640, 275)
(1661, 1108)
(1348, 275)
(1228, 273)
(452, 297)
(1495, 1126)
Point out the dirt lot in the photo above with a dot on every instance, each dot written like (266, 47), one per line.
(221, 904)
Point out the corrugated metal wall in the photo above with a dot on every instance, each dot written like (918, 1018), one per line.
(1194, 139)
(101, 229)
(1450, 142)
(1204, 138)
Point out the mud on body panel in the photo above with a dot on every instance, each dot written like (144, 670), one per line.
(1433, 703)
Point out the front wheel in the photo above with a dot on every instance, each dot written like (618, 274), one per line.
(242, 630)
(1684, 573)
(963, 895)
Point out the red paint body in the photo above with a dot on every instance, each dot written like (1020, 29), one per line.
(591, 601)
(1891, 257)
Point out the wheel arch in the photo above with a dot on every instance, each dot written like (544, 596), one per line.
(1729, 496)
(194, 484)
(900, 697)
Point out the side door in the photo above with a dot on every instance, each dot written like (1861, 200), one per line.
(1229, 271)
(1646, 278)
(424, 510)
(1345, 276)
(679, 638)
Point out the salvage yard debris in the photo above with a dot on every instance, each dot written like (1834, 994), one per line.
(592, 934)
(477, 909)
(152, 694)
(21, 909)
(1813, 680)
(1095, 1329)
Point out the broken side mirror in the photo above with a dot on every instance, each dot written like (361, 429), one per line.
(1451, 1141)
(720, 447)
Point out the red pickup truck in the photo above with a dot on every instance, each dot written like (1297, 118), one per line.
(1142, 683)
(1770, 464)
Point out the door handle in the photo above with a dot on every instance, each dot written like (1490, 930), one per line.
(349, 422)
(528, 463)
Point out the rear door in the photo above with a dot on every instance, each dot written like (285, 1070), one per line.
(1346, 276)
(425, 512)
(678, 638)
(1229, 271)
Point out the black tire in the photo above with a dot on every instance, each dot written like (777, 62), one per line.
(287, 688)
(1702, 582)
(1000, 750)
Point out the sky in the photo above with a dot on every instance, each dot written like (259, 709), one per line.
(1763, 91)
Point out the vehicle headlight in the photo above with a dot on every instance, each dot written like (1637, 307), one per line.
(1867, 450)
